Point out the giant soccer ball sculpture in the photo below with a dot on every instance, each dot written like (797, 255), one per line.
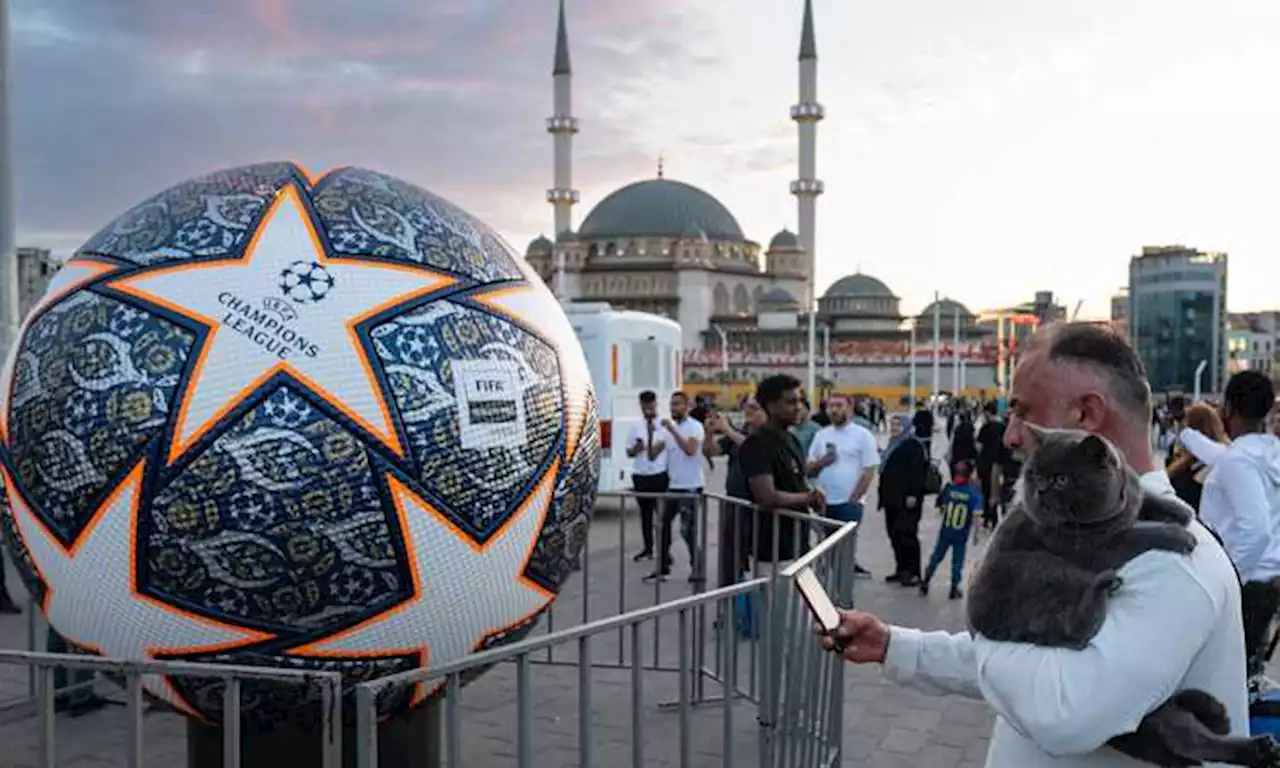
(330, 423)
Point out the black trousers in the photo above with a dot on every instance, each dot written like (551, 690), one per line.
(648, 484)
(990, 497)
(1259, 602)
(683, 504)
(904, 537)
(733, 555)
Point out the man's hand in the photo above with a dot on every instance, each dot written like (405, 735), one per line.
(910, 502)
(863, 638)
(817, 499)
(715, 423)
(667, 425)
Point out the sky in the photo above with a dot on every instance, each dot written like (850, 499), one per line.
(985, 149)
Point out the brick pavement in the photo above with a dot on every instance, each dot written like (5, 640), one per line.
(885, 726)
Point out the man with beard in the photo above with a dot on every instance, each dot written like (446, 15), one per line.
(843, 459)
(1058, 707)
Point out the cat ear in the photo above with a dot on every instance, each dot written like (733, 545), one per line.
(1094, 449)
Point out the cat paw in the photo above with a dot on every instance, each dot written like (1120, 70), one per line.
(1268, 752)
(1110, 583)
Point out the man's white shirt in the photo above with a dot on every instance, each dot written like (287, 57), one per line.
(684, 472)
(1241, 501)
(641, 464)
(856, 451)
(1056, 707)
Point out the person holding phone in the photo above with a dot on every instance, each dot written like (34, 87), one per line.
(843, 458)
(647, 450)
(735, 524)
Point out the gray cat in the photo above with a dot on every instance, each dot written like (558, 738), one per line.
(1053, 562)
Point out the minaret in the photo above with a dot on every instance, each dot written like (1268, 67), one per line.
(806, 188)
(562, 125)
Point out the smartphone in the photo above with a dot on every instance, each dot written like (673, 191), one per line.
(820, 605)
(831, 449)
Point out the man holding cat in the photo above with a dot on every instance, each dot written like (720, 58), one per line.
(1058, 707)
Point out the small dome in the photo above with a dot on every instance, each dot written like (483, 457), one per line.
(540, 244)
(947, 310)
(660, 208)
(784, 239)
(858, 285)
(778, 295)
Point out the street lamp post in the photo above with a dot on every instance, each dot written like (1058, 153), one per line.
(911, 367)
(9, 316)
(937, 343)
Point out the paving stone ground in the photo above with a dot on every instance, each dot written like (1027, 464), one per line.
(884, 726)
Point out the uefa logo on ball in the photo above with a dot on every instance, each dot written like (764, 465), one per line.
(327, 423)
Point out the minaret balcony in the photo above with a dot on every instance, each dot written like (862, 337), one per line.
(807, 187)
(808, 112)
(558, 196)
(562, 124)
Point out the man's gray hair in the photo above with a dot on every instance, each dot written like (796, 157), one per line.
(1106, 352)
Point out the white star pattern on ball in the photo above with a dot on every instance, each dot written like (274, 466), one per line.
(95, 572)
(462, 591)
(255, 332)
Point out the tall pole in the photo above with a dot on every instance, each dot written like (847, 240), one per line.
(813, 350)
(937, 342)
(963, 366)
(911, 366)
(955, 353)
(9, 315)
(1000, 357)
(826, 352)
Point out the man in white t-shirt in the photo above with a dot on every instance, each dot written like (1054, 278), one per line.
(843, 458)
(685, 465)
(1058, 707)
(648, 451)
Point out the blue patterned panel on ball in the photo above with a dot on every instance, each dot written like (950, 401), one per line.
(93, 383)
(213, 216)
(280, 525)
(369, 213)
(480, 399)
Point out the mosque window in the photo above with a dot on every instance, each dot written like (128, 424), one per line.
(720, 299)
(741, 300)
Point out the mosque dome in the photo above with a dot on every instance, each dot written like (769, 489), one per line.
(784, 239)
(660, 208)
(947, 310)
(777, 295)
(540, 244)
(858, 285)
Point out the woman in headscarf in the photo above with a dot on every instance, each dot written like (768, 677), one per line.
(901, 494)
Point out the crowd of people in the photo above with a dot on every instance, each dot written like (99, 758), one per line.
(1178, 621)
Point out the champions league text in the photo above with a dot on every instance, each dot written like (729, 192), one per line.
(264, 328)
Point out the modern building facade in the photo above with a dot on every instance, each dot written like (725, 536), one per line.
(1178, 316)
(1249, 346)
(36, 267)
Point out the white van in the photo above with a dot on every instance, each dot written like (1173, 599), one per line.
(627, 353)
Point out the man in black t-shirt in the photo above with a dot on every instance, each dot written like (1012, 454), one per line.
(773, 465)
(735, 524)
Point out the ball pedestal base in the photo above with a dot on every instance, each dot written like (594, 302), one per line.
(410, 739)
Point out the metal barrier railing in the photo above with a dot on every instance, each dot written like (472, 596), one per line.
(738, 643)
(798, 713)
(44, 666)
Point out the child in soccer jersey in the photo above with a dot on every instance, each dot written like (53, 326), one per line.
(959, 502)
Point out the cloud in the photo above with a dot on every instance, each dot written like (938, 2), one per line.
(115, 100)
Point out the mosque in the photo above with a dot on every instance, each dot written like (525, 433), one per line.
(663, 246)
